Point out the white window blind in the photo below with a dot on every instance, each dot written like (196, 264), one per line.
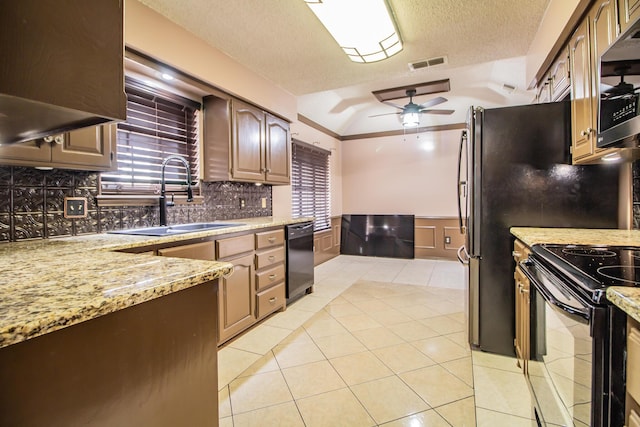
(310, 185)
(158, 124)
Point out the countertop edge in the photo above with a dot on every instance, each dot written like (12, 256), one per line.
(626, 299)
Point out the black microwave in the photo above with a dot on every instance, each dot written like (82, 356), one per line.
(619, 106)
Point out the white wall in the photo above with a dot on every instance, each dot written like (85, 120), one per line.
(411, 174)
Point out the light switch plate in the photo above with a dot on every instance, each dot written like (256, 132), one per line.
(75, 207)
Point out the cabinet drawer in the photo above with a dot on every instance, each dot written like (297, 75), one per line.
(633, 362)
(269, 238)
(202, 250)
(270, 300)
(270, 257)
(234, 246)
(269, 277)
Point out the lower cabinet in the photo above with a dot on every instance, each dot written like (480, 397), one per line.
(257, 285)
(633, 374)
(326, 243)
(522, 299)
(437, 237)
(236, 306)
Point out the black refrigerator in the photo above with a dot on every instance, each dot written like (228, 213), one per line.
(514, 170)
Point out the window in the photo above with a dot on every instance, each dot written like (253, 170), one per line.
(311, 193)
(159, 124)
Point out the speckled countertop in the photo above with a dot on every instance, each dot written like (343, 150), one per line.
(46, 285)
(628, 299)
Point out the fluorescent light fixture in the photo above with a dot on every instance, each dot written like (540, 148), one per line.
(364, 29)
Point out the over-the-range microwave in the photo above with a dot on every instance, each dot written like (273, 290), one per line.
(619, 112)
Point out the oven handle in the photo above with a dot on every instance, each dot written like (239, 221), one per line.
(582, 316)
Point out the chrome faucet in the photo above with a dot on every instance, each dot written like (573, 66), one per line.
(163, 198)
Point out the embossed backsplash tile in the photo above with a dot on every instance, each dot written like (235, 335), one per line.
(31, 205)
(636, 194)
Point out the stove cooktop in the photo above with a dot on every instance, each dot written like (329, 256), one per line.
(593, 268)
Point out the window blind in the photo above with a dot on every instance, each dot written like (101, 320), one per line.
(158, 124)
(310, 184)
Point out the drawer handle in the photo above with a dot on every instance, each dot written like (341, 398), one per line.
(271, 239)
(516, 254)
(272, 258)
(272, 277)
(273, 300)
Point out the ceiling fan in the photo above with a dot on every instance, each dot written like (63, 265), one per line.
(410, 112)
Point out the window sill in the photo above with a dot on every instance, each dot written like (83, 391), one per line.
(110, 200)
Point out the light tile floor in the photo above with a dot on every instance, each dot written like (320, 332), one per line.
(381, 342)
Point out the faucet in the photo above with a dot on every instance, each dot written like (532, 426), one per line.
(163, 198)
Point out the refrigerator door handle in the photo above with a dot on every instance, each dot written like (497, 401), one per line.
(461, 184)
(463, 256)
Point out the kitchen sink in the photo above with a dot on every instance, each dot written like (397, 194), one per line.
(169, 230)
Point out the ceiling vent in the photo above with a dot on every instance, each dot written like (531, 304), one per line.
(425, 63)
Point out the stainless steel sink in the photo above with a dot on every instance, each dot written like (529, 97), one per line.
(169, 230)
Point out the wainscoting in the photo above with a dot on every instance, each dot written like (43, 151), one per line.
(326, 243)
(437, 237)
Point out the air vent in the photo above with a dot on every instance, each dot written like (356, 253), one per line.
(431, 62)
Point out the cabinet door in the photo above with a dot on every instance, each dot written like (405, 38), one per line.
(277, 150)
(544, 92)
(91, 148)
(629, 11)
(31, 153)
(236, 303)
(560, 77)
(521, 341)
(247, 150)
(581, 112)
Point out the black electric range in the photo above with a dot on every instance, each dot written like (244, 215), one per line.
(572, 321)
(593, 268)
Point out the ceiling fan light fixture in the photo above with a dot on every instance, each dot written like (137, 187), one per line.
(364, 29)
(410, 119)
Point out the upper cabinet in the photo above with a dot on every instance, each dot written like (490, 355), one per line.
(592, 37)
(91, 148)
(556, 84)
(244, 143)
(62, 66)
(628, 11)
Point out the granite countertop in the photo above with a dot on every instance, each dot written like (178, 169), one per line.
(627, 299)
(577, 236)
(47, 285)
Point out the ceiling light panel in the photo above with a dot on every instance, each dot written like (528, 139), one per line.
(364, 29)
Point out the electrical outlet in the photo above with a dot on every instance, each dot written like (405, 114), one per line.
(75, 207)
(243, 203)
(264, 202)
(447, 240)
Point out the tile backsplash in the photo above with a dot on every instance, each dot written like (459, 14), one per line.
(31, 205)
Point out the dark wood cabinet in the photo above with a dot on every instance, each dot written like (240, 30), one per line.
(92, 148)
(61, 66)
(244, 143)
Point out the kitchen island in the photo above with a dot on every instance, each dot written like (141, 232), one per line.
(90, 335)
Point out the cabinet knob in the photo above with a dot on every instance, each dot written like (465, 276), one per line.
(586, 132)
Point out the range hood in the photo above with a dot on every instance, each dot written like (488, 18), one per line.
(61, 67)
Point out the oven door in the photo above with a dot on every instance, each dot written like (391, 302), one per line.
(561, 366)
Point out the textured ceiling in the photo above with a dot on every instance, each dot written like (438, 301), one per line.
(283, 41)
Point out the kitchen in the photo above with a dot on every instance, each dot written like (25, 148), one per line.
(347, 195)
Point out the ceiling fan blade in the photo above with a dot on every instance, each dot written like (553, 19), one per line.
(433, 102)
(393, 105)
(437, 111)
(385, 114)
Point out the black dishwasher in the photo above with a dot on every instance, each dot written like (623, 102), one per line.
(299, 259)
